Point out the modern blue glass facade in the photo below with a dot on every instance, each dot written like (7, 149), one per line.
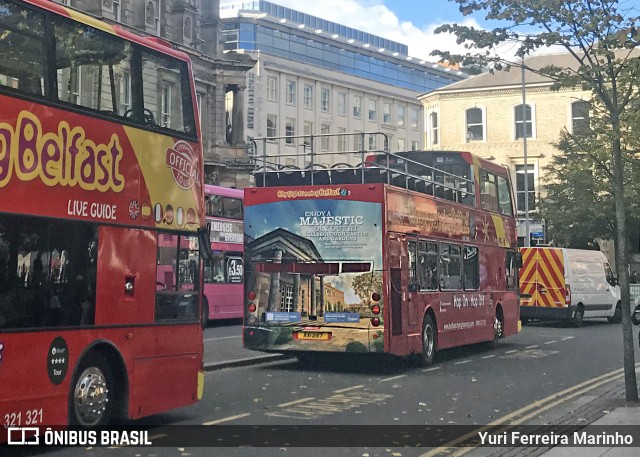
(280, 33)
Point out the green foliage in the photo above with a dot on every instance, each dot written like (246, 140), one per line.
(378, 344)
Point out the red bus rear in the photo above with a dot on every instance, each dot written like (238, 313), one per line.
(102, 205)
(224, 273)
(404, 253)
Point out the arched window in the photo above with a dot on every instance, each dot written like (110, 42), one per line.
(580, 116)
(475, 124)
(523, 123)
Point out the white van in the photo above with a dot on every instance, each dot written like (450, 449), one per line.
(567, 284)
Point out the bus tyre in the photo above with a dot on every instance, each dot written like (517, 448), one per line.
(578, 317)
(428, 341)
(617, 315)
(92, 393)
(205, 313)
(497, 331)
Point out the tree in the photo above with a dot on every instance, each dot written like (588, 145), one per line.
(365, 285)
(600, 37)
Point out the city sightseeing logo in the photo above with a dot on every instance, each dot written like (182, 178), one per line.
(184, 165)
(324, 192)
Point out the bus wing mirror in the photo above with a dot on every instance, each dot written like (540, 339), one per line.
(518, 260)
(204, 243)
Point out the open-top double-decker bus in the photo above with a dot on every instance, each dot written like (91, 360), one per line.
(373, 251)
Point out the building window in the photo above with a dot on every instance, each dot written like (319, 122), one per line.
(272, 89)
(386, 113)
(290, 130)
(116, 9)
(342, 104)
(526, 124)
(433, 128)
(415, 117)
(372, 142)
(307, 132)
(272, 125)
(342, 139)
(165, 106)
(400, 116)
(357, 107)
(286, 303)
(528, 174)
(325, 100)
(402, 144)
(357, 141)
(373, 110)
(291, 93)
(475, 124)
(308, 96)
(580, 116)
(325, 142)
(415, 145)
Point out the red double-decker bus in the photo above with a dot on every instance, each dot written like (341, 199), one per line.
(102, 194)
(404, 253)
(224, 272)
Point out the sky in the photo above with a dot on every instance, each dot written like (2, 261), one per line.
(410, 22)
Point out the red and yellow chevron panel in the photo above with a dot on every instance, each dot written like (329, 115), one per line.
(542, 277)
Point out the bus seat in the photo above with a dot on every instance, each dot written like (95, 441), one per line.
(292, 178)
(320, 176)
(375, 175)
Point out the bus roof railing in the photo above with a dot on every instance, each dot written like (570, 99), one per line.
(298, 161)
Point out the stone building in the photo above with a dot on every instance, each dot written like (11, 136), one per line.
(483, 115)
(193, 26)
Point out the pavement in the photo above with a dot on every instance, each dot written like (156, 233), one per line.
(600, 410)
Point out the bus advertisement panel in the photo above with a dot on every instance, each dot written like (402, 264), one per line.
(314, 272)
(224, 271)
(101, 217)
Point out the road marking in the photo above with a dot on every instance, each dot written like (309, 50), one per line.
(489, 356)
(336, 403)
(226, 419)
(431, 369)
(157, 437)
(463, 361)
(553, 399)
(223, 338)
(568, 338)
(511, 351)
(348, 389)
(395, 377)
(533, 346)
(551, 342)
(295, 402)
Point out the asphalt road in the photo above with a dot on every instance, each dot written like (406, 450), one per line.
(467, 386)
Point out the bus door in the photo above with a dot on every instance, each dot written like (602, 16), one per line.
(398, 278)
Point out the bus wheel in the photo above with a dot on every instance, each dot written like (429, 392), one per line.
(92, 394)
(428, 341)
(524, 320)
(617, 315)
(578, 317)
(497, 331)
(205, 312)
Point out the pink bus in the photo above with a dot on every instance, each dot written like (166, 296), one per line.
(223, 274)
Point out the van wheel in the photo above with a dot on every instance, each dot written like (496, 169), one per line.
(93, 393)
(428, 341)
(578, 317)
(524, 320)
(617, 315)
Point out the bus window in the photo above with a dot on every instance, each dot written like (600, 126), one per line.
(428, 265)
(176, 278)
(90, 62)
(450, 267)
(488, 191)
(22, 66)
(511, 270)
(47, 272)
(471, 268)
(504, 196)
(413, 278)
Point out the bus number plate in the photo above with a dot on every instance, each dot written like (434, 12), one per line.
(314, 336)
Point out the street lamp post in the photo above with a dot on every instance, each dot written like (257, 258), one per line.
(526, 167)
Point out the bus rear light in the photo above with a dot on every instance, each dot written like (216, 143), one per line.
(375, 296)
(567, 296)
(252, 307)
(375, 309)
(251, 295)
(375, 322)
